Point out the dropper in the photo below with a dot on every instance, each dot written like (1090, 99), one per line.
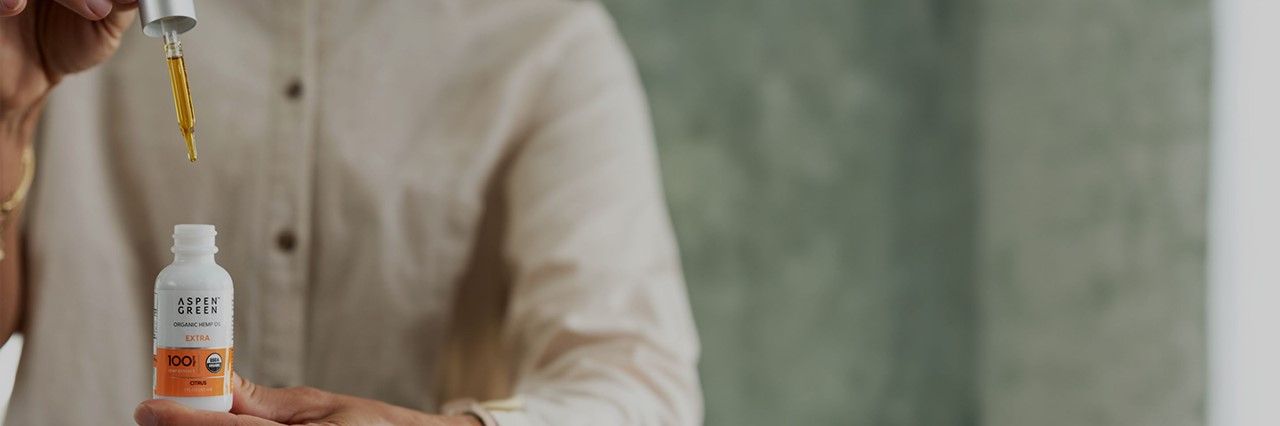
(166, 19)
(181, 92)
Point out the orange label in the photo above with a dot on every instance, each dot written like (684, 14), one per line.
(192, 372)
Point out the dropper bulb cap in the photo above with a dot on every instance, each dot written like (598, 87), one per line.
(159, 16)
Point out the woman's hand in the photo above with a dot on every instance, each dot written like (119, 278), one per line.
(43, 40)
(260, 405)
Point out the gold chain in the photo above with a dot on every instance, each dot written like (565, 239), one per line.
(19, 195)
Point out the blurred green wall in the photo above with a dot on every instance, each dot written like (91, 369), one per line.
(931, 212)
(1094, 127)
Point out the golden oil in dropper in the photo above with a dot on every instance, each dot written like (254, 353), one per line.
(181, 93)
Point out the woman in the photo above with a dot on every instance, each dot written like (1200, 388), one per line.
(420, 202)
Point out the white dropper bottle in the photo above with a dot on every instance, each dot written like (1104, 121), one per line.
(192, 341)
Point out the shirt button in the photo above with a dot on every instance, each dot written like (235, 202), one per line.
(286, 241)
(294, 89)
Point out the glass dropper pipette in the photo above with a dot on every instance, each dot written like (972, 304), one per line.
(181, 93)
(167, 19)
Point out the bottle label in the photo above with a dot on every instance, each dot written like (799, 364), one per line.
(192, 343)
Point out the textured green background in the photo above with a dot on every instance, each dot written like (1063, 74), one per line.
(910, 212)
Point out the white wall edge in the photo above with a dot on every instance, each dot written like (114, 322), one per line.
(1244, 216)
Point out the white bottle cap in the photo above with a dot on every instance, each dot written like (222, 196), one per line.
(194, 239)
(158, 16)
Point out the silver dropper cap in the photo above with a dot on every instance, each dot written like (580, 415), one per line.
(160, 16)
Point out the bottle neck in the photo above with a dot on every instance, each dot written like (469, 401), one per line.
(193, 243)
(192, 257)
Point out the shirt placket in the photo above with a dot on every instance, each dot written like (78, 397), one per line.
(291, 150)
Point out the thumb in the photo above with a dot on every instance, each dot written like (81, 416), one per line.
(288, 405)
(121, 17)
(11, 7)
(160, 412)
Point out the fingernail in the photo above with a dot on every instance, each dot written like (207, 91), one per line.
(145, 417)
(10, 4)
(99, 8)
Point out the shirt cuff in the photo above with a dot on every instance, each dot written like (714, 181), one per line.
(501, 412)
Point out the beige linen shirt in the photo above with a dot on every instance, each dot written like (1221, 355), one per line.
(417, 200)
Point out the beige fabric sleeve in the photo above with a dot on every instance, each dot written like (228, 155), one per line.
(599, 313)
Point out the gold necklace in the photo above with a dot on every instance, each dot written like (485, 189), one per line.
(13, 203)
